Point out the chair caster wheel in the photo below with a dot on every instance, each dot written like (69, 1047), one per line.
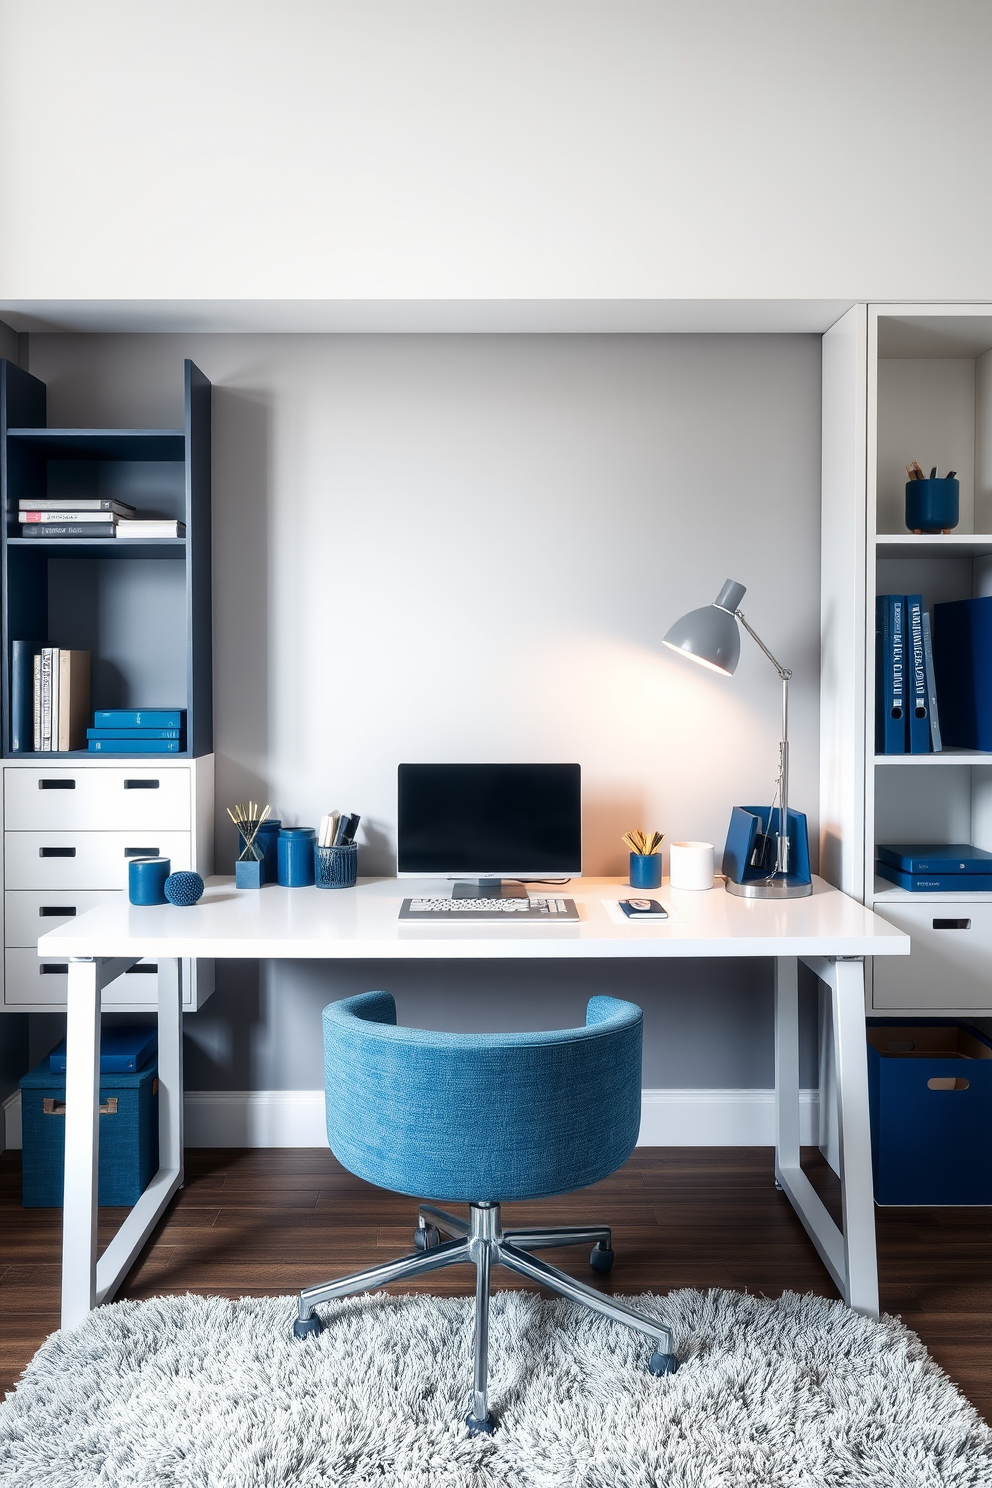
(663, 1363)
(480, 1428)
(601, 1259)
(427, 1237)
(307, 1327)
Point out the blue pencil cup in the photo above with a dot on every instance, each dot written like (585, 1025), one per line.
(295, 852)
(932, 505)
(645, 870)
(336, 867)
(146, 880)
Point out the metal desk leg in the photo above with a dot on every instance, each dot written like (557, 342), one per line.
(82, 1142)
(848, 1254)
(87, 1282)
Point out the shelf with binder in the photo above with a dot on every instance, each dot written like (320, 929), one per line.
(139, 606)
(903, 383)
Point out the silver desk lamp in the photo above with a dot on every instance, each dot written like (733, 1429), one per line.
(710, 636)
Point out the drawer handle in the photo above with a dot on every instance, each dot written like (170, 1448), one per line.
(141, 852)
(142, 970)
(141, 785)
(948, 1082)
(60, 784)
(56, 852)
(47, 910)
(52, 1107)
(952, 925)
(52, 968)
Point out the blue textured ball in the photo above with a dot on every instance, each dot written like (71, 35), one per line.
(183, 889)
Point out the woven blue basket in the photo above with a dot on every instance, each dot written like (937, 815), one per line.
(336, 867)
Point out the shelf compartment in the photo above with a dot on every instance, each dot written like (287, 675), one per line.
(104, 444)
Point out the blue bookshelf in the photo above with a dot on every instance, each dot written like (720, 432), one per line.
(141, 608)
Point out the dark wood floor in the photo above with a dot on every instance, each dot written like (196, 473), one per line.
(268, 1222)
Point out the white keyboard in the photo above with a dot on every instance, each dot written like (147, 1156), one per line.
(537, 907)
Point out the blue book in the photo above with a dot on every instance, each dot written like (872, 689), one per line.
(22, 655)
(962, 663)
(134, 746)
(936, 883)
(881, 663)
(916, 678)
(940, 857)
(892, 673)
(122, 1050)
(129, 718)
(140, 733)
(936, 742)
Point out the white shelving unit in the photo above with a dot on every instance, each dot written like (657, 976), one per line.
(903, 382)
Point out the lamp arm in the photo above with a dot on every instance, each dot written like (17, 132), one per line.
(785, 674)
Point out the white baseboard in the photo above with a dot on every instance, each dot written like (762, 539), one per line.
(669, 1118)
(295, 1118)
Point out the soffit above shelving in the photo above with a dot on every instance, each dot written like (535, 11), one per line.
(425, 316)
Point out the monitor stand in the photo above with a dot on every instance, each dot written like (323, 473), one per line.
(489, 888)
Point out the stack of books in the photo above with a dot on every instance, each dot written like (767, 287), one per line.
(933, 868)
(138, 731)
(906, 714)
(59, 682)
(90, 517)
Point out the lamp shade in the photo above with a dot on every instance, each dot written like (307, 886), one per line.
(709, 636)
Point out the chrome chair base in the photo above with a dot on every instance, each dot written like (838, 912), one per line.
(481, 1241)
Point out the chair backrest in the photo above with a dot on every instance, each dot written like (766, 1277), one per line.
(481, 1117)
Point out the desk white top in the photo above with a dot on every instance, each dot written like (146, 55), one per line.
(362, 924)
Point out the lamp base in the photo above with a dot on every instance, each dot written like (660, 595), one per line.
(782, 886)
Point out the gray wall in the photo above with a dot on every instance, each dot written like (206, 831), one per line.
(379, 501)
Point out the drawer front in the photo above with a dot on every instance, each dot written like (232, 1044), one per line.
(114, 798)
(950, 965)
(30, 913)
(85, 860)
(30, 981)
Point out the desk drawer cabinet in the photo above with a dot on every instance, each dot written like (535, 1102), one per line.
(69, 834)
(951, 963)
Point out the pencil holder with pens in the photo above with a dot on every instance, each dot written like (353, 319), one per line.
(932, 505)
(336, 867)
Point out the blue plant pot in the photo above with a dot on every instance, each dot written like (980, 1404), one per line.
(932, 505)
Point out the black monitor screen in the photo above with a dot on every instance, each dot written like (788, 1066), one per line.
(498, 821)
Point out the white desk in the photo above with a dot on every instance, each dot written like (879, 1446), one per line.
(828, 931)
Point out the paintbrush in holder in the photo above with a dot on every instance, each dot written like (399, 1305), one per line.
(248, 869)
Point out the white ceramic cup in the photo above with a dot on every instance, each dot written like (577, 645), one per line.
(691, 865)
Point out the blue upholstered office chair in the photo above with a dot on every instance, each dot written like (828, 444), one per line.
(481, 1118)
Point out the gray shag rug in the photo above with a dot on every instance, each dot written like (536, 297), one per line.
(199, 1392)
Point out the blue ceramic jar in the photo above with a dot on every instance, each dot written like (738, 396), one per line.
(295, 856)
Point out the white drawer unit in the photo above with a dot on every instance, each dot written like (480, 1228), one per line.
(951, 962)
(115, 797)
(69, 831)
(33, 983)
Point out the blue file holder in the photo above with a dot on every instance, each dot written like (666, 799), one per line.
(336, 867)
(747, 824)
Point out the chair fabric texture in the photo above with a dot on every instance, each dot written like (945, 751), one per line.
(481, 1117)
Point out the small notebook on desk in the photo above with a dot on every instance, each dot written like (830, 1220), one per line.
(543, 909)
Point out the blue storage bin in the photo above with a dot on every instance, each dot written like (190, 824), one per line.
(128, 1136)
(930, 1096)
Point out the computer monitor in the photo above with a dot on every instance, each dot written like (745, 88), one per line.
(488, 823)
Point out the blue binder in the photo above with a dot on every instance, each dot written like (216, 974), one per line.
(917, 700)
(962, 662)
(894, 676)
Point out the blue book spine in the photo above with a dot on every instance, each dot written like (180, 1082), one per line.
(22, 655)
(894, 718)
(133, 746)
(936, 883)
(936, 743)
(917, 702)
(881, 667)
(129, 718)
(142, 733)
